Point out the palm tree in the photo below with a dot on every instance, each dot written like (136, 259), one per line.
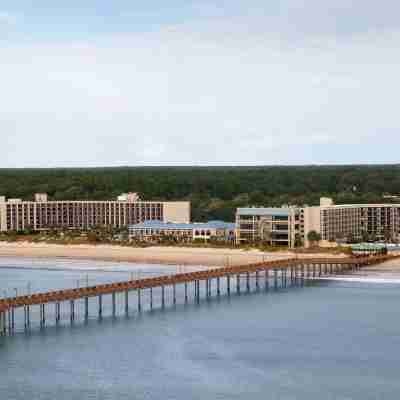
(313, 237)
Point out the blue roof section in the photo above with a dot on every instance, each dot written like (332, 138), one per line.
(216, 225)
(169, 225)
(282, 212)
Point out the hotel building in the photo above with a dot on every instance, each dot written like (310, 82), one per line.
(276, 226)
(348, 222)
(156, 230)
(359, 221)
(42, 214)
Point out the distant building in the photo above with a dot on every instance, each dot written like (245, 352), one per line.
(40, 197)
(42, 214)
(156, 230)
(395, 197)
(130, 197)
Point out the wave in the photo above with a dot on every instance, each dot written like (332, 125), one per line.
(61, 264)
(363, 279)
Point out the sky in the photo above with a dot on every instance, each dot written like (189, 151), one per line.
(182, 82)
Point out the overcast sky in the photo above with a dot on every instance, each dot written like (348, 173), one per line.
(185, 82)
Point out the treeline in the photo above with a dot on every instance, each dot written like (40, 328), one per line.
(215, 192)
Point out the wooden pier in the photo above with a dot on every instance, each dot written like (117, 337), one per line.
(264, 274)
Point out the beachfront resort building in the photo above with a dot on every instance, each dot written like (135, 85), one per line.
(290, 226)
(276, 226)
(43, 214)
(184, 232)
(355, 222)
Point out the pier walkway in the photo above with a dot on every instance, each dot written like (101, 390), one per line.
(264, 274)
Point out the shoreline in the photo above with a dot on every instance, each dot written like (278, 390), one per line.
(42, 254)
(202, 256)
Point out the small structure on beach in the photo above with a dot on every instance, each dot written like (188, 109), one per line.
(363, 249)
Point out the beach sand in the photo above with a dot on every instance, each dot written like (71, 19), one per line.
(149, 255)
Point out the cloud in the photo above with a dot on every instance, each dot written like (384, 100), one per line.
(202, 93)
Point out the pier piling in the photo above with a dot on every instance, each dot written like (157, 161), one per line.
(257, 281)
(57, 305)
(86, 308)
(113, 305)
(100, 306)
(72, 311)
(3, 324)
(151, 298)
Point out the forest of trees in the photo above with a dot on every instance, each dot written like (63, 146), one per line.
(215, 192)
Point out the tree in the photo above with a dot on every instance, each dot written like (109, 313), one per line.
(388, 235)
(215, 192)
(351, 238)
(313, 237)
(298, 240)
(93, 237)
(365, 236)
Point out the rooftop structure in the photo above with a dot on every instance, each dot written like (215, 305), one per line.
(130, 197)
(257, 211)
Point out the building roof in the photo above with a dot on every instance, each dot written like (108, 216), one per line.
(274, 211)
(368, 246)
(169, 225)
(337, 206)
(216, 225)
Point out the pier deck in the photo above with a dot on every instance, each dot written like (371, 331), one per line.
(297, 267)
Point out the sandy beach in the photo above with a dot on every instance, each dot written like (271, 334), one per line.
(150, 255)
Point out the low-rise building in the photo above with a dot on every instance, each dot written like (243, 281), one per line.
(158, 230)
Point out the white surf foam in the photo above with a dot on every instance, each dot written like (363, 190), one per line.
(363, 279)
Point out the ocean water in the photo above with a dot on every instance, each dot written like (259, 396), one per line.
(324, 340)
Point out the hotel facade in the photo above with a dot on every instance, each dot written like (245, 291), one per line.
(289, 226)
(276, 226)
(360, 222)
(42, 214)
